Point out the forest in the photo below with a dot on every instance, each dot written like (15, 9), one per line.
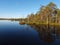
(49, 14)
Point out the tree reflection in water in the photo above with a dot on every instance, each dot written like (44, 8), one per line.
(47, 34)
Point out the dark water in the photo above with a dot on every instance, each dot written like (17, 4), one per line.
(13, 33)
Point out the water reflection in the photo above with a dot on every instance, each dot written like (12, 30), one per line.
(47, 34)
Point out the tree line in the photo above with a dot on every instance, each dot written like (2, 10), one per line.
(46, 14)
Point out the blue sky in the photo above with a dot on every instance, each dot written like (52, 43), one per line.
(21, 8)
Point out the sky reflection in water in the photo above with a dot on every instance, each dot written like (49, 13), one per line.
(13, 33)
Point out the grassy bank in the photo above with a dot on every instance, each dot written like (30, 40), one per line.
(37, 23)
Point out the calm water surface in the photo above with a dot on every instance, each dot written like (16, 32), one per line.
(13, 33)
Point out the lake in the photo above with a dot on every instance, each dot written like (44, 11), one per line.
(13, 33)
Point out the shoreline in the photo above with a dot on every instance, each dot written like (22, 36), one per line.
(53, 24)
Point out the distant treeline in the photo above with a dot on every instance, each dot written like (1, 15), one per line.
(19, 19)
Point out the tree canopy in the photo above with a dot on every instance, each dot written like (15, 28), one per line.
(49, 13)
